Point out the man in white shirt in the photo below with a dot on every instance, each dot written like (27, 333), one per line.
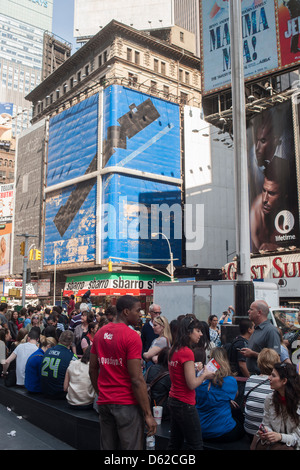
(22, 353)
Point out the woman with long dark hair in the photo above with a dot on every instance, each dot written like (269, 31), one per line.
(281, 421)
(185, 423)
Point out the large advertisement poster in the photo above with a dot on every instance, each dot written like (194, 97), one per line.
(5, 244)
(270, 30)
(288, 25)
(6, 202)
(274, 219)
(6, 112)
(259, 40)
(6, 216)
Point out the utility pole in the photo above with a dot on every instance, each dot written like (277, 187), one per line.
(244, 294)
(25, 263)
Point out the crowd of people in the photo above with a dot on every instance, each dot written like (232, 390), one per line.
(104, 361)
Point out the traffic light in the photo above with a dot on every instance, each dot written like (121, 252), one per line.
(110, 266)
(22, 248)
(38, 254)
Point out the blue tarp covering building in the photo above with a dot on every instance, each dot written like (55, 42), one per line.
(140, 136)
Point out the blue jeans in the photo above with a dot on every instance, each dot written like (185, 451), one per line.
(185, 426)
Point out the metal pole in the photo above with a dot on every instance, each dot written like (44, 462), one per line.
(25, 263)
(240, 156)
(170, 251)
(54, 280)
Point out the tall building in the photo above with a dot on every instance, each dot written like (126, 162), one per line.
(22, 27)
(106, 147)
(92, 15)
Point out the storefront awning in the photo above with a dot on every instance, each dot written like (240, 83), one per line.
(112, 284)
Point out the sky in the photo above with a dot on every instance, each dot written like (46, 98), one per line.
(63, 19)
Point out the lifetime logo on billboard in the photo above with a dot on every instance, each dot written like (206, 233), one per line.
(284, 223)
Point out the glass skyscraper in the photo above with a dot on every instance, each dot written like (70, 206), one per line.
(22, 27)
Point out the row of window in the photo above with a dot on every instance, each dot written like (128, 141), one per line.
(81, 74)
(133, 56)
(6, 162)
(159, 66)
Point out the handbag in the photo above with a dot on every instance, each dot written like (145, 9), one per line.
(10, 378)
(258, 444)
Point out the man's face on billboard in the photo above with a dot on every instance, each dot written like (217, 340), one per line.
(271, 196)
(265, 145)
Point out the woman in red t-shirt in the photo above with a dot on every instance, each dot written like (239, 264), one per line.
(185, 423)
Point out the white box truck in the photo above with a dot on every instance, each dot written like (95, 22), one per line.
(204, 298)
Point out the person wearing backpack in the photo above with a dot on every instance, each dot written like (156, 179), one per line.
(236, 359)
(158, 380)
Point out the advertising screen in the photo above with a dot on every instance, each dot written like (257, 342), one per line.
(6, 112)
(259, 40)
(270, 36)
(288, 25)
(274, 219)
(5, 246)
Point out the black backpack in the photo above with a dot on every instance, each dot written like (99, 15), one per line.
(230, 353)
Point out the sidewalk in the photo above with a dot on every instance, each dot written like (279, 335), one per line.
(27, 436)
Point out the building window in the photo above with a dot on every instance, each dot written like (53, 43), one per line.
(65, 88)
(166, 91)
(137, 57)
(57, 94)
(99, 60)
(187, 77)
(79, 77)
(105, 56)
(180, 75)
(181, 36)
(132, 79)
(163, 68)
(153, 87)
(87, 68)
(156, 65)
(183, 97)
(129, 54)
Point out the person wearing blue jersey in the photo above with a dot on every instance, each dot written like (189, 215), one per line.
(33, 365)
(54, 366)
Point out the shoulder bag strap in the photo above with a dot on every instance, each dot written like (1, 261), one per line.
(160, 376)
(253, 388)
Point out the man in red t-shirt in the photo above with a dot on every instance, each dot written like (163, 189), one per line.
(116, 375)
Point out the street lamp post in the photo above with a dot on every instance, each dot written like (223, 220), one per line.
(171, 254)
(244, 288)
(54, 277)
(25, 263)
